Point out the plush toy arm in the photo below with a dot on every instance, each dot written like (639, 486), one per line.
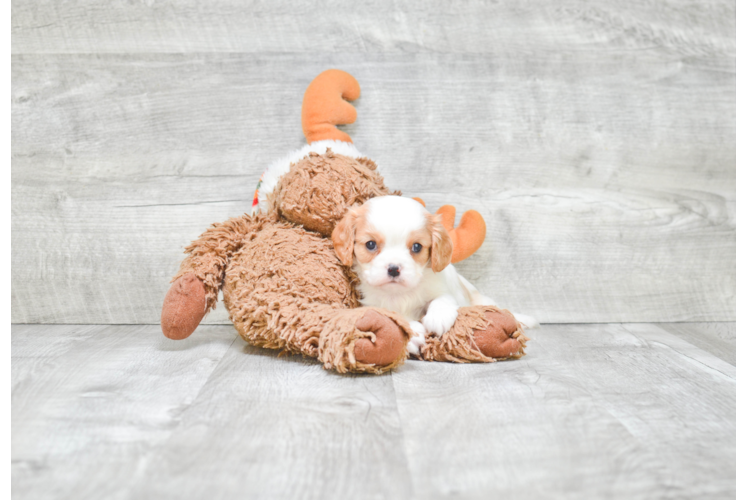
(358, 340)
(363, 340)
(195, 287)
(481, 334)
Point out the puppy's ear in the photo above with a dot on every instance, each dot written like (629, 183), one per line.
(344, 235)
(441, 243)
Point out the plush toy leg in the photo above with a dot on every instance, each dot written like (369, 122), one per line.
(195, 287)
(480, 334)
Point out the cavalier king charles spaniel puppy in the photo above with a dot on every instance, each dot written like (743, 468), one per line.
(401, 254)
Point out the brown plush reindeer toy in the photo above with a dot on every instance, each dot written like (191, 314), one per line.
(282, 283)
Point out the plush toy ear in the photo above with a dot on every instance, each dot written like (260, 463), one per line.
(344, 236)
(441, 244)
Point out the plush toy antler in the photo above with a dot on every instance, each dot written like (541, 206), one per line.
(325, 106)
(468, 236)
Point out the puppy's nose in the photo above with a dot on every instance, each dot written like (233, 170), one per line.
(393, 270)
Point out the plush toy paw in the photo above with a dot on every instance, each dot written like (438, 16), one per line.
(184, 307)
(388, 345)
(499, 339)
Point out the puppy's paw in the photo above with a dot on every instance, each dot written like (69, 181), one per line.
(440, 316)
(418, 340)
(527, 322)
(417, 328)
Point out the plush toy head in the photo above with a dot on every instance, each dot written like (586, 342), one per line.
(318, 190)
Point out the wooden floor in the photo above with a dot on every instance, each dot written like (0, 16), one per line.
(593, 411)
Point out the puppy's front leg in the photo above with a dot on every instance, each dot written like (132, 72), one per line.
(528, 322)
(441, 315)
(418, 340)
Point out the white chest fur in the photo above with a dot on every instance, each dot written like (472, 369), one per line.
(412, 303)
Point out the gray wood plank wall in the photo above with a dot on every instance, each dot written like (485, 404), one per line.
(597, 140)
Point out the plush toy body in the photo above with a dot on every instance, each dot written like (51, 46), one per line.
(283, 285)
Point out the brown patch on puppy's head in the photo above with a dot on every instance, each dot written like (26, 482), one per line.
(365, 233)
(318, 190)
(344, 234)
(423, 237)
(441, 243)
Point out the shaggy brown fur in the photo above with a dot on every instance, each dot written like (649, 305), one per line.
(299, 278)
(209, 255)
(318, 190)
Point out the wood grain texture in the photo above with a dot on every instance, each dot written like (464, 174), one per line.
(718, 339)
(607, 182)
(266, 426)
(592, 411)
(483, 27)
(740, 345)
(89, 403)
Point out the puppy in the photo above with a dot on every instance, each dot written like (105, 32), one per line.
(401, 254)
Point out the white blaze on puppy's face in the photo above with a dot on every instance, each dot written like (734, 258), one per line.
(394, 224)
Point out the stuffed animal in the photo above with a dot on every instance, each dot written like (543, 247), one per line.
(283, 285)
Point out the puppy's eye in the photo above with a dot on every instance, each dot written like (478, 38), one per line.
(416, 247)
(371, 245)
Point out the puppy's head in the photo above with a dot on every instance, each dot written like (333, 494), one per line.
(392, 240)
